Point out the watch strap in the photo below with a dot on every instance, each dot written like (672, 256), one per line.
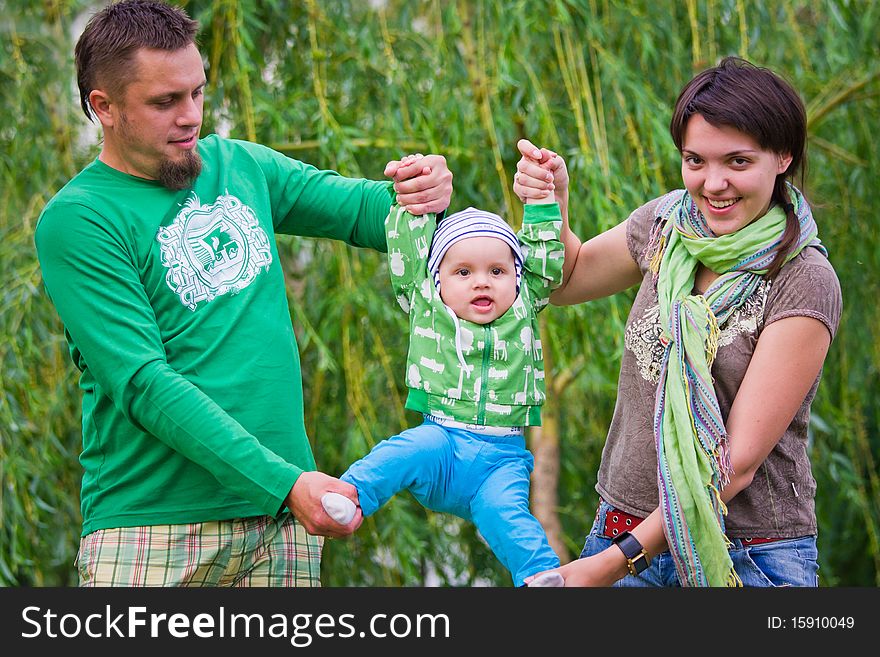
(636, 557)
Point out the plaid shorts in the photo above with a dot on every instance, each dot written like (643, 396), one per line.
(256, 551)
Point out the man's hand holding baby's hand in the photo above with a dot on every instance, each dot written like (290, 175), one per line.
(423, 183)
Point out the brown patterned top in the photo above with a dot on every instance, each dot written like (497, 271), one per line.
(779, 503)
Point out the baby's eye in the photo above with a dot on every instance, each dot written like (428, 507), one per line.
(497, 271)
(463, 272)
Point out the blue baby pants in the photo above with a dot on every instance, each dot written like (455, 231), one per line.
(483, 479)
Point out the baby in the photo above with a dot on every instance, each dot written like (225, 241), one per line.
(475, 371)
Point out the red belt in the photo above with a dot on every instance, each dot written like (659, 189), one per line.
(617, 521)
(758, 541)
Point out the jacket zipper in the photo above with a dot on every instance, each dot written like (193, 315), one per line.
(484, 375)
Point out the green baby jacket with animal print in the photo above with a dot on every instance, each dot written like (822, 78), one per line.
(499, 381)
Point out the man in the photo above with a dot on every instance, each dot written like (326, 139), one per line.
(160, 260)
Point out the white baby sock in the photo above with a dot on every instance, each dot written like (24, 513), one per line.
(550, 579)
(338, 507)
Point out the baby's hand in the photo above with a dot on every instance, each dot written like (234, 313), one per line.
(394, 166)
(409, 159)
(541, 175)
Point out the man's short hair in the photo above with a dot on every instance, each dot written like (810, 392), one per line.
(112, 37)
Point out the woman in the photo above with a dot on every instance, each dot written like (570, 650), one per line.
(705, 478)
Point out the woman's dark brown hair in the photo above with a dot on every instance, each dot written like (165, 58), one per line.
(112, 37)
(759, 103)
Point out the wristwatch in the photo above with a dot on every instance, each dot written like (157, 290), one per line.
(636, 558)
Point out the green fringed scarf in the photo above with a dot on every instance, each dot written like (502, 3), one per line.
(692, 447)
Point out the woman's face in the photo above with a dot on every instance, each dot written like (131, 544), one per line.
(727, 174)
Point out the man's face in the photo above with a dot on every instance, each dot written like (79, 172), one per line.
(155, 125)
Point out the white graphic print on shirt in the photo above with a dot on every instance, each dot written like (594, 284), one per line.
(211, 250)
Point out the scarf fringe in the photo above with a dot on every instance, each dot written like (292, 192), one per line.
(723, 463)
(719, 505)
(713, 332)
(653, 252)
(656, 258)
(733, 580)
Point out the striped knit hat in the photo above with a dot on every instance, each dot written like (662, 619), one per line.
(471, 223)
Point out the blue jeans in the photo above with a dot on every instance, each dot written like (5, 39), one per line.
(789, 562)
(483, 479)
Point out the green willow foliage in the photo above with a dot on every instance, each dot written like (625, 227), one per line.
(349, 85)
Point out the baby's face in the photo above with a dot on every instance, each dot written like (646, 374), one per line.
(478, 279)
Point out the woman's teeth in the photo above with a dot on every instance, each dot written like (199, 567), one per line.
(722, 204)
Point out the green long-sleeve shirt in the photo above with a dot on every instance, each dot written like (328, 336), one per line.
(175, 311)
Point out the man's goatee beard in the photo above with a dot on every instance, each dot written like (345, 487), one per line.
(180, 174)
